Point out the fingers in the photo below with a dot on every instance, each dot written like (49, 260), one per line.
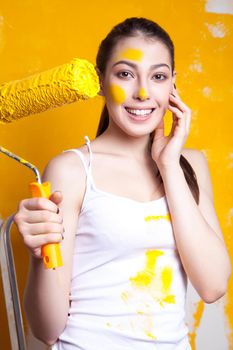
(39, 222)
(33, 242)
(38, 204)
(181, 113)
(56, 197)
(37, 216)
(43, 228)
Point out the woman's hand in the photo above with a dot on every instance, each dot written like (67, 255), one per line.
(166, 150)
(40, 222)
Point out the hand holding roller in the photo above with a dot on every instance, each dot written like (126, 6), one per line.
(50, 253)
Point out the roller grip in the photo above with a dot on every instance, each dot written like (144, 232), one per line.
(51, 252)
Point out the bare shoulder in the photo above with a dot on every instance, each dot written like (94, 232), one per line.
(66, 174)
(199, 163)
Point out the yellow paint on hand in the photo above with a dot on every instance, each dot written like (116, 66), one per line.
(145, 276)
(197, 319)
(131, 54)
(117, 94)
(158, 217)
(142, 94)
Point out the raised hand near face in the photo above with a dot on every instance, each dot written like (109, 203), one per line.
(166, 150)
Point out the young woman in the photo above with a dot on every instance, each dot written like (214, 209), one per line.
(135, 209)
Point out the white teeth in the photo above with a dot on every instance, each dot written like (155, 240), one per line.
(139, 111)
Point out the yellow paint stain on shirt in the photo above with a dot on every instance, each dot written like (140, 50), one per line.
(140, 312)
(125, 296)
(132, 54)
(142, 94)
(157, 217)
(150, 335)
(117, 94)
(166, 279)
(197, 319)
(144, 277)
(170, 299)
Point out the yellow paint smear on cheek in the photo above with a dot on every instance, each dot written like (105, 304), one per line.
(131, 54)
(197, 319)
(117, 94)
(145, 276)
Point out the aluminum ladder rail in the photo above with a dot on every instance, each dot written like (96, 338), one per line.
(10, 287)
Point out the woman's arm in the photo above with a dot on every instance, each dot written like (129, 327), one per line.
(46, 298)
(196, 228)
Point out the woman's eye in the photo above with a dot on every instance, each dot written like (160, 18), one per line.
(124, 74)
(160, 76)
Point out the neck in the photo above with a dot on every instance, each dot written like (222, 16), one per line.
(130, 146)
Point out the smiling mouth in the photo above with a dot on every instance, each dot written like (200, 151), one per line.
(140, 112)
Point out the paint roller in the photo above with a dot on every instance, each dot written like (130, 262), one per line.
(70, 82)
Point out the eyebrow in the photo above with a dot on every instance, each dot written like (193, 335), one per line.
(134, 65)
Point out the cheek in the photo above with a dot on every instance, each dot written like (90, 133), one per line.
(117, 94)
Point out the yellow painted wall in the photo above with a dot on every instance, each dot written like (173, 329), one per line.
(35, 36)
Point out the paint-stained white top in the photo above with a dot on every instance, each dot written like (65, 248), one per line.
(128, 286)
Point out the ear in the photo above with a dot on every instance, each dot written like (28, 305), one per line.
(100, 75)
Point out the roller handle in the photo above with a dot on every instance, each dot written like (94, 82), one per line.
(51, 253)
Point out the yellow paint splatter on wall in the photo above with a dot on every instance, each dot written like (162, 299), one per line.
(117, 94)
(197, 319)
(131, 54)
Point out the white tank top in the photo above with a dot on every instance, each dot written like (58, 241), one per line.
(128, 286)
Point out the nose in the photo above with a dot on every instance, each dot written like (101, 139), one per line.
(142, 94)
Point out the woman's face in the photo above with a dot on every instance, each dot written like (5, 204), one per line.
(136, 85)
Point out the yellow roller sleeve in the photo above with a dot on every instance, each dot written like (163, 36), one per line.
(51, 253)
(64, 84)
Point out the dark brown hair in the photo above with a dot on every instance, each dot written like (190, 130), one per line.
(132, 27)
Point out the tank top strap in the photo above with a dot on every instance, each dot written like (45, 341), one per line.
(87, 165)
(88, 143)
